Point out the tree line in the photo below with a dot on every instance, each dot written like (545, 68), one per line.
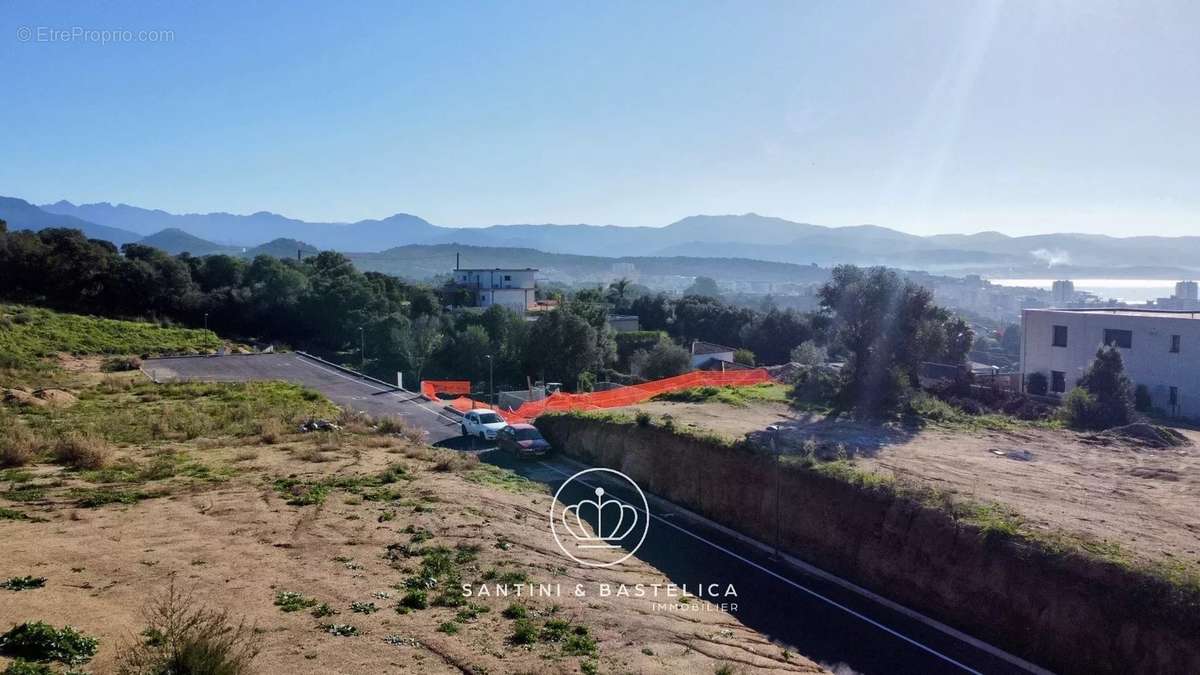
(881, 325)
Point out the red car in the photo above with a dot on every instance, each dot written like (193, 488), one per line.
(523, 440)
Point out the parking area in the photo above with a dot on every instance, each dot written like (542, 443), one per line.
(341, 387)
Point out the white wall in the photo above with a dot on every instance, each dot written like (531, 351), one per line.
(1148, 361)
(497, 278)
(517, 299)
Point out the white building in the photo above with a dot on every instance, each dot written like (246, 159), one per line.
(1185, 298)
(1062, 293)
(1161, 350)
(512, 288)
(1187, 290)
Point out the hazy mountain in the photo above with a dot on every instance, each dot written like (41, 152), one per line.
(250, 230)
(176, 241)
(703, 236)
(21, 215)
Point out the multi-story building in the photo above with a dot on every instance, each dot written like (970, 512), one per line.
(1160, 349)
(1185, 298)
(512, 288)
(1062, 293)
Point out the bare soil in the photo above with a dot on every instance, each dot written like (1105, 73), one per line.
(1145, 499)
(236, 542)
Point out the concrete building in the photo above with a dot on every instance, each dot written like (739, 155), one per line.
(1062, 293)
(1187, 290)
(1184, 300)
(624, 323)
(512, 288)
(1161, 350)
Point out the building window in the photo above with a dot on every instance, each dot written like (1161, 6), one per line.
(1175, 344)
(1120, 338)
(1058, 381)
(1060, 336)
(1173, 396)
(508, 277)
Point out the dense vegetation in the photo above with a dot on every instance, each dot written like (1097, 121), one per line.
(880, 324)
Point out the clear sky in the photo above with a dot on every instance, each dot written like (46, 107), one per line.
(927, 116)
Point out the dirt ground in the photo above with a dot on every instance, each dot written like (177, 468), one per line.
(235, 543)
(1146, 500)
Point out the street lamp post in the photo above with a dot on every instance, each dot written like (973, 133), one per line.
(491, 388)
(362, 348)
(206, 321)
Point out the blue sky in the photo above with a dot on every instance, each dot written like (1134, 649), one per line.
(928, 116)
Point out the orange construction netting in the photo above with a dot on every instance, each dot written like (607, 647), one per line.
(431, 388)
(613, 398)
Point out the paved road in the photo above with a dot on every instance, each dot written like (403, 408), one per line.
(340, 386)
(816, 614)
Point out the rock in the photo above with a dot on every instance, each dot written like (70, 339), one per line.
(21, 397)
(56, 397)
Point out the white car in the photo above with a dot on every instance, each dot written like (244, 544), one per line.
(483, 423)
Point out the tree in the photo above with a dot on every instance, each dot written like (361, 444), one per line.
(423, 339)
(1109, 400)
(808, 353)
(617, 293)
(1010, 339)
(667, 359)
(889, 326)
(703, 286)
(562, 345)
(744, 357)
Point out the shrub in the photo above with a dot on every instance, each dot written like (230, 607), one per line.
(1081, 410)
(270, 430)
(1105, 380)
(524, 632)
(814, 386)
(18, 446)
(82, 451)
(289, 601)
(23, 667)
(415, 599)
(807, 353)
(515, 611)
(1037, 384)
(22, 583)
(1141, 399)
(118, 364)
(642, 418)
(667, 359)
(183, 637)
(744, 357)
(42, 642)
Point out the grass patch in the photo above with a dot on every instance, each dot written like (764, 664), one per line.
(183, 636)
(493, 476)
(766, 392)
(92, 498)
(33, 332)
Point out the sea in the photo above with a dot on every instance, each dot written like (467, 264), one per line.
(1134, 291)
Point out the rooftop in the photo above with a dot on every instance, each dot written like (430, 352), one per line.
(1127, 311)
(700, 347)
(495, 269)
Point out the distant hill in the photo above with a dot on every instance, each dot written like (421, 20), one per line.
(21, 215)
(421, 262)
(282, 248)
(747, 235)
(256, 228)
(176, 241)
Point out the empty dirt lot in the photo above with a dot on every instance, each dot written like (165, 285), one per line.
(1145, 501)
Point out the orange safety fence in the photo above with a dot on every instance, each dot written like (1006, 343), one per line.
(615, 398)
(431, 388)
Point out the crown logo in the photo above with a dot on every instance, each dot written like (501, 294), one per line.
(614, 521)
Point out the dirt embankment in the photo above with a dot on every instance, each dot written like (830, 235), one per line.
(1065, 611)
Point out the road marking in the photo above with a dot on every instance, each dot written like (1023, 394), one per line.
(798, 586)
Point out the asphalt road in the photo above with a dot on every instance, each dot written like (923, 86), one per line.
(818, 615)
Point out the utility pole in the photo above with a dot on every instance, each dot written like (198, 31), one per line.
(362, 348)
(491, 389)
(774, 431)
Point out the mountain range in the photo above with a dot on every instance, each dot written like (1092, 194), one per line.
(749, 236)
